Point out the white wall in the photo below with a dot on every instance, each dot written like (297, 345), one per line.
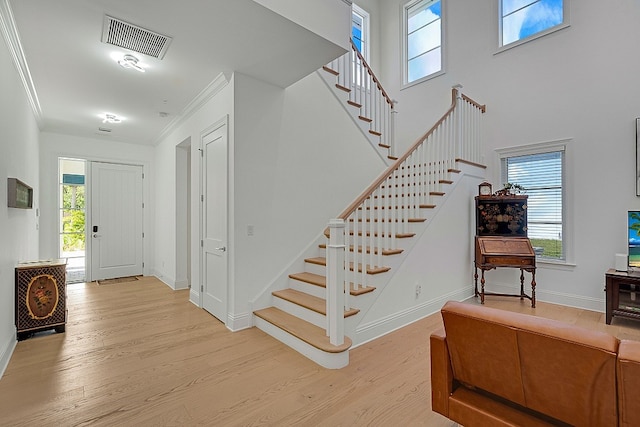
(578, 83)
(53, 146)
(18, 227)
(329, 19)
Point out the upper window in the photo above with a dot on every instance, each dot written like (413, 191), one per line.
(541, 173)
(526, 19)
(422, 40)
(360, 30)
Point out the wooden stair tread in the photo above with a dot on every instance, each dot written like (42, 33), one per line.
(370, 270)
(398, 235)
(354, 104)
(343, 88)
(305, 331)
(319, 305)
(387, 220)
(330, 70)
(365, 119)
(318, 280)
(375, 132)
(384, 145)
(368, 249)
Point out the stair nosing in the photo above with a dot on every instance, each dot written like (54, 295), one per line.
(310, 302)
(319, 339)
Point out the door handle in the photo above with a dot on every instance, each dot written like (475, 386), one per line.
(96, 235)
(224, 248)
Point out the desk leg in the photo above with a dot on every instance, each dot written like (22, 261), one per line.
(533, 288)
(475, 278)
(521, 284)
(482, 287)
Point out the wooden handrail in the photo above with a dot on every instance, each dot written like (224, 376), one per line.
(370, 71)
(482, 107)
(389, 171)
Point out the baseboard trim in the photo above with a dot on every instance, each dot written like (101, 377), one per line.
(6, 354)
(372, 330)
(164, 279)
(239, 322)
(552, 297)
(194, 297)
(181, 284)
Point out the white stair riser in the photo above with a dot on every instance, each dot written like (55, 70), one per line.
(322, 358)
(315, 268)
(310, 316)
(308, 288)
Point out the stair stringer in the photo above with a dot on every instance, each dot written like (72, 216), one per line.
(342, 97)
(395, 304)
(264, 299)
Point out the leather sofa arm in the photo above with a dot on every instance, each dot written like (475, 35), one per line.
(441, 373)
(628, 374)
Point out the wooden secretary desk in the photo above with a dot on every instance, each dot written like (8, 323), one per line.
(501, 241)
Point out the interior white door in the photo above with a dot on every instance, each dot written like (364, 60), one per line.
(214, 222)
(116, 220)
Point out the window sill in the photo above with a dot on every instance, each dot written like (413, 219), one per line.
(554, 264)
(423, 79)
(532, 37)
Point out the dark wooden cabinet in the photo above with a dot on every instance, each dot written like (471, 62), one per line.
(623, 294)
(501, 215)
(40, 297)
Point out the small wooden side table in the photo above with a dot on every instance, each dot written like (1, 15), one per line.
(623, 294)
(513, 252)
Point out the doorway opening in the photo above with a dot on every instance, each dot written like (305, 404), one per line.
(72, 215)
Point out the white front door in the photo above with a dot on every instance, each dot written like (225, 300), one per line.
(116, 220)
(214, 223)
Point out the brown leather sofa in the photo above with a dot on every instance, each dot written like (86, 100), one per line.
(493, 368)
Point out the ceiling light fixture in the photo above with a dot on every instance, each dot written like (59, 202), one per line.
(130, 61)
(111, 118)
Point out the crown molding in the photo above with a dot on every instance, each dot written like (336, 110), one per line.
(11, 36)
(203, 97)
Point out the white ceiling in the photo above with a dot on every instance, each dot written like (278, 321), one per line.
(76, 80)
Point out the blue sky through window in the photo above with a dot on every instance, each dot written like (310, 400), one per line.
(424, 39)
(356, 31)
(524, 18)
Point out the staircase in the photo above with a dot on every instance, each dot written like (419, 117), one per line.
(363, 246)
(361, 94)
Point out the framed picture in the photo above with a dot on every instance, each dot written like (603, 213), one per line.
(638, 156)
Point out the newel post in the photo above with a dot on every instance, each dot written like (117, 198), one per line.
(459, 122)
(335, 282)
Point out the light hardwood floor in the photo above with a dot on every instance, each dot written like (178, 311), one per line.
(140, 354)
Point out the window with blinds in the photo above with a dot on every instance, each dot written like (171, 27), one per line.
(542, 176)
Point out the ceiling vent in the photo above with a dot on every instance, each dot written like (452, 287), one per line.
(134, 38)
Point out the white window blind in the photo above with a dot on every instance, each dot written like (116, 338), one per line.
(541, 175)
